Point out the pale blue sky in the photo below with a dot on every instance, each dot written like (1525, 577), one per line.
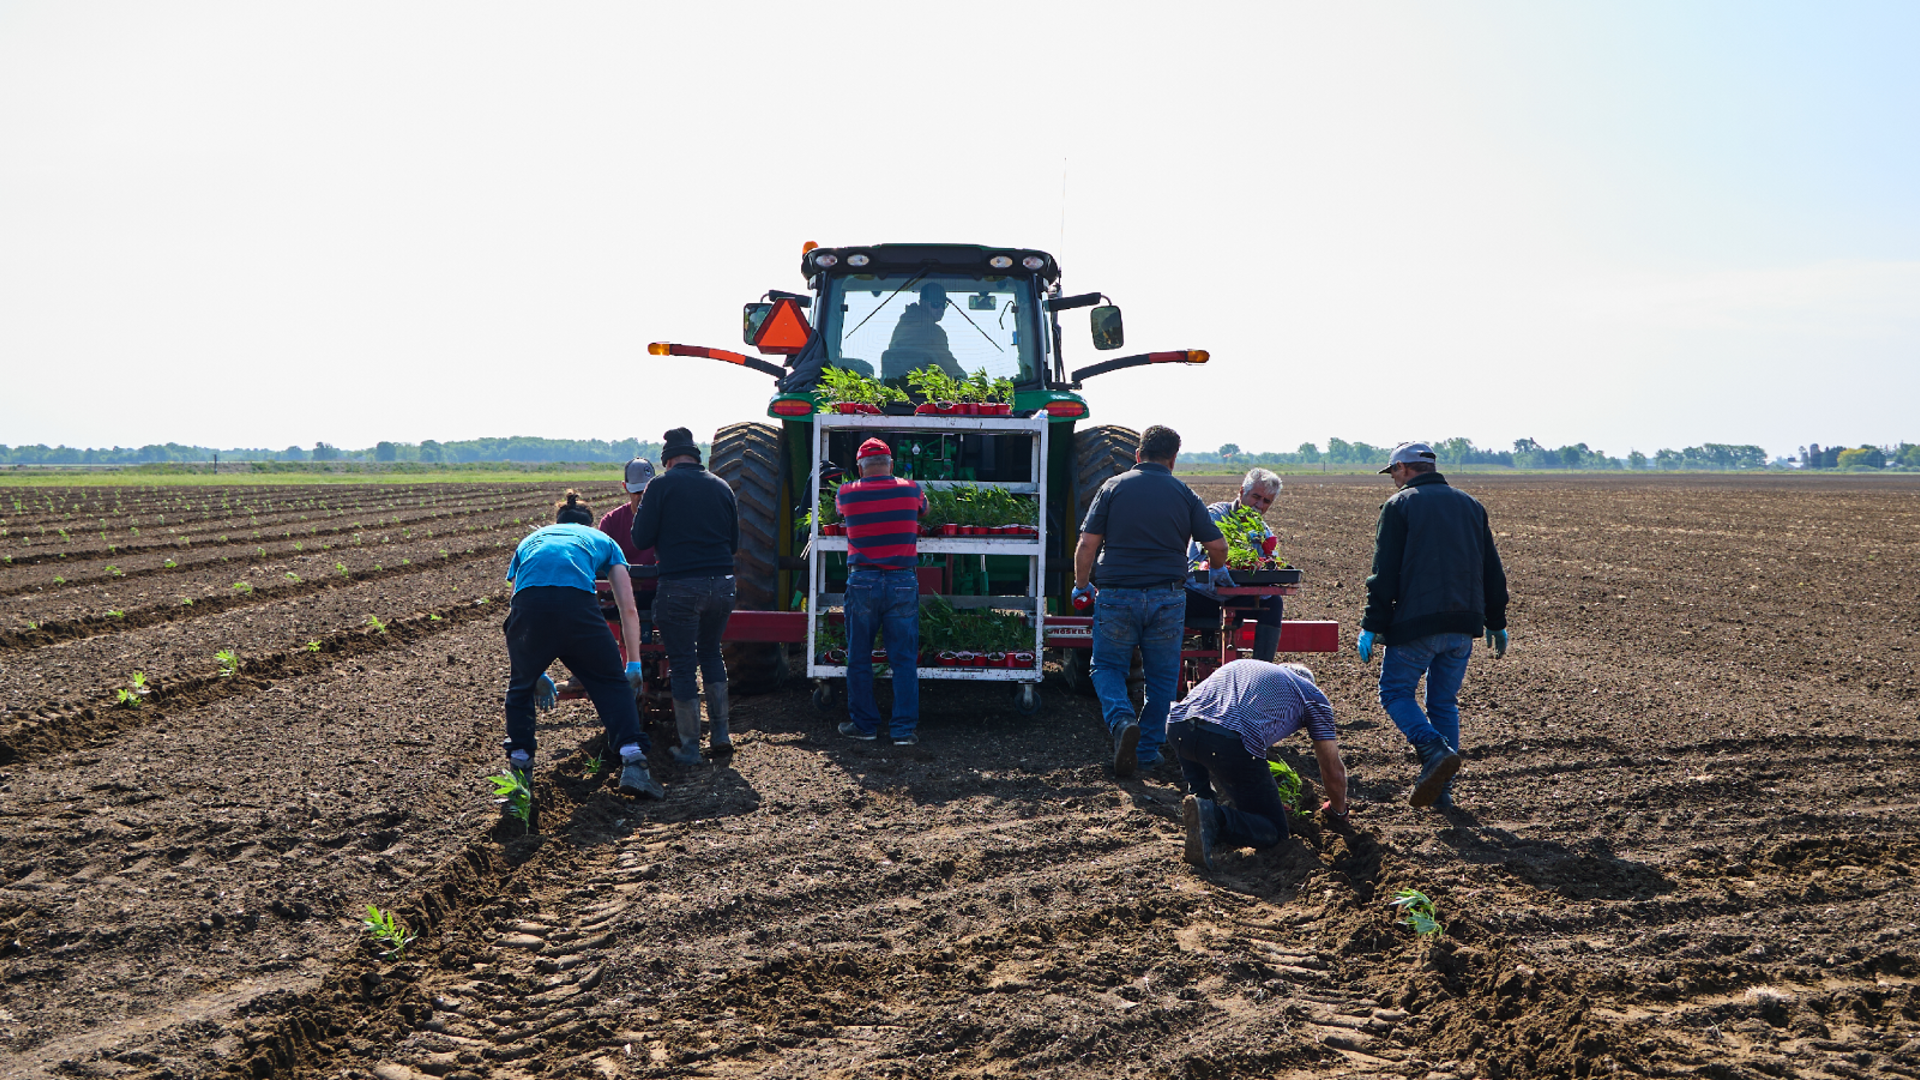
(1630, 224)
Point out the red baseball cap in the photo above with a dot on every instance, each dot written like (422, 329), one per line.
(874, 448)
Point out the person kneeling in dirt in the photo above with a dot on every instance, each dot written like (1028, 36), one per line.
(555, 615)
(1220, 733)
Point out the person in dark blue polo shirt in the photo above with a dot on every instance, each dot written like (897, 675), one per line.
(555, 615)
(1136, 530)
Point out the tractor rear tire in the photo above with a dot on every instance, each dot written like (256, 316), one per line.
(1100, 453)
(748, 457)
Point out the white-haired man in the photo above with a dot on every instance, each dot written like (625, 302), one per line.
(1258, 489)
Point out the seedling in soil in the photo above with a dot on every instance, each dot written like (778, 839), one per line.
(511, 788)
(168, 565)
(132, 698)
(114, 571)
(59, 581)
(433, 618)
(378, 626)
(1418, 910)
(186, 601)
(243, 588)
(592, 767)
(116, 614)
(229, 663)
(313, 646)
(293, 577)
(342, 567)
(387, 931)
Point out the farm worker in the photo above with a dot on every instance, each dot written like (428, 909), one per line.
(918, 339)
(555, 615)
(1258, 489)
(882, 513)
(1436, 584)
(690, 519)
(1220, 733)
(618, 523)
(1138, 527)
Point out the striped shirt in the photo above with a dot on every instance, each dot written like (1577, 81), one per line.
(1260, 702)
(883, 522)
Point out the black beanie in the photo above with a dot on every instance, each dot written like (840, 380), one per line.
(679, 443)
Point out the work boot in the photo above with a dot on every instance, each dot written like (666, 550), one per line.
(1444, 801)
(1124, 741)
(1266, 642)
(686, 720)
(852, 731)
(1203, 830)
(1438, 763)
(719, 738)
(636, 780)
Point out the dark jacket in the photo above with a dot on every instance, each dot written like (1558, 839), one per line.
(1435, 569)
(690, 520)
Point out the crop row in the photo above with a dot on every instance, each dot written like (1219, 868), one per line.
(187, 505)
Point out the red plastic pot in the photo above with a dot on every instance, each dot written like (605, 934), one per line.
(837, 656)
(1269, 544)
(963, 659)
(949, 529)
(996, 659)
(926, 408)
(879, 656)
(948, 658)
(1020, 659)
(846, 408)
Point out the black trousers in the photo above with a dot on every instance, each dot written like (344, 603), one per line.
(554, 622)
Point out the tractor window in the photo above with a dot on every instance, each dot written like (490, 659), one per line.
(890, 324)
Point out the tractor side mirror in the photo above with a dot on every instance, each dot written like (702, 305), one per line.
(751, 316)
(1107, 331)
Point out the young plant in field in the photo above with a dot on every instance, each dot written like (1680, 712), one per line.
(168, 565)
(243, 588)
(114, 571)
(59, 580)
(1418, 912)
(116, 614)
(293, 577)
(378, 626)
(433, 618)
(342, 568)
(313, 646)
(511, 789)
(133, 698)
(1291, 788)
(593, 767)
(229, 663)
(387, 931)
(186, 601)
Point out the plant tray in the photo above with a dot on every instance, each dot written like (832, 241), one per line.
(1287, 576)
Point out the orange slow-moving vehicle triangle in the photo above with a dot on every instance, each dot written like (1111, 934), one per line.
(784, 331)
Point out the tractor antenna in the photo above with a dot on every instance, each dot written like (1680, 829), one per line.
(1063, 205)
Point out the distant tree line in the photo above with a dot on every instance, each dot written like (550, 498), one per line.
(1815, 456)
(1529, 454)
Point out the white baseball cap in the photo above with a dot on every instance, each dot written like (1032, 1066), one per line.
(639, 474)
(1410, 453)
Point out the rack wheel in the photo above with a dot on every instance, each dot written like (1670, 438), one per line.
(823, 694)
(1026, 699)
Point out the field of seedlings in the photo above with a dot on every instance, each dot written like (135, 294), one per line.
(231, 719)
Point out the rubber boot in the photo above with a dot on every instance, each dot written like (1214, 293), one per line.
(686, 718)
(719, 737)
(1266, 642)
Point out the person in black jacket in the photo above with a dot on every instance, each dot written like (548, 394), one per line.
(690, 520)
(1437, 584)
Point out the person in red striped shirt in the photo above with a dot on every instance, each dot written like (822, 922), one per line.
(882, 513)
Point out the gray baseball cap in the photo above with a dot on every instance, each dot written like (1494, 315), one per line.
(1410, 453)
(639, 474)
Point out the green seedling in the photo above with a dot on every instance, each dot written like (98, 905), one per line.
(592, 767)
(186, 601)
(168, 565)
(377, 568)
(313, 646)
(1418, 912)
(133, 698)
(243, 588)
(229, 663)
(1292, 790)
(31, 625)
(433, 618)
(387, 931)
(378, 626)
(293, 577)
(116, 614)
(59, 580)
(511, 788)
(114, 571)
(482, 600)
(342, 568)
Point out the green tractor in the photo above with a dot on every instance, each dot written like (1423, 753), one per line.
(886, 311)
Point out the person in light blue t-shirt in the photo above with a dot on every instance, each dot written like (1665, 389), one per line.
(556, 615)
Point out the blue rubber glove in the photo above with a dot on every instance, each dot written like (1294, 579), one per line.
(1365, 647)
(1220, 577)
(545, 696)
(1082, 594)
(1497, 641)
(636, 673)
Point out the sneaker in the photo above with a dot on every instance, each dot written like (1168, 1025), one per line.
(636, 780)
(1203, 831)
(909, 739)
(852, 731)
(1124, 741)
(1439, 763)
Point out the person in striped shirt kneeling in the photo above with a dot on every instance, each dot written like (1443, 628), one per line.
(882, 513)
(1220, 733)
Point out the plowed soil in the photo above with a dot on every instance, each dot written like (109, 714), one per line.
(1687, 842)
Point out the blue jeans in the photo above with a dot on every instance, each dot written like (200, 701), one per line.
(692, 614)
(1213, 758)
(549, 622)
(1442, 659)
(1150, 620)
(888, 602)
